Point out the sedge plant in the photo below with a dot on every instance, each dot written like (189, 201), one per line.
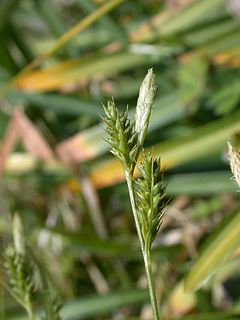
(147, 195)
(22, 268)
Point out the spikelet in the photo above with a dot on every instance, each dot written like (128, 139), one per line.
(21, 275)
(234, 161)
(152, 198)
(121, 135)
(18, 265)
(144, 106)
(18, 235)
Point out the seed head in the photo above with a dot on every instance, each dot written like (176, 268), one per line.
(234, 161)
(121, 135)
(152, 198)
(18, 234)
(144, 106)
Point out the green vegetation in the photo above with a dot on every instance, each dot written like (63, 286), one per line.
(69, 248)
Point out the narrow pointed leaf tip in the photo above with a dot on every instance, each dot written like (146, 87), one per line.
(144, 105)
(234, 161)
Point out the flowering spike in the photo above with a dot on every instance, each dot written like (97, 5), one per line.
(126, 142)
(152, 199)
(121, 135)
(18, 234)
(234, 161)
(144, 106)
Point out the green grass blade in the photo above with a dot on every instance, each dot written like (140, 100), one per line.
(58, 103)
(218, 251)
(47, 11)
(63, 40)
(6, 59)
(95, 305)
(106, 21)
(203, 183)
(191, 90)
(87, 242)
(100, 305)
(213, 316)
(79, 27)
(188, 16)
(208, 33)
(20, 42)
(83, 69)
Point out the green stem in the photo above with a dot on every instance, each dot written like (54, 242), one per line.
(129, 180)
(29, 309)
(151, 287)
(145, 248)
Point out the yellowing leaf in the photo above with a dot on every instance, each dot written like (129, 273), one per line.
(214, 255)
(79, 70)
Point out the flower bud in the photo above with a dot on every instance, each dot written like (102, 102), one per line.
(18, 236)
(144, 105)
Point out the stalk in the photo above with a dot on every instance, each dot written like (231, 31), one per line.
(129, 180)
(147, 195)
(29, 309)
(151, 287)
(144, 248)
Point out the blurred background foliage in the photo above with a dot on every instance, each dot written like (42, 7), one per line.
(59, 61)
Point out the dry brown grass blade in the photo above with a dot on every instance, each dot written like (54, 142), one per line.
(75, 149)
(8, 143)
(32, 139)
(21, 128)
(95, 211)
(230, 58)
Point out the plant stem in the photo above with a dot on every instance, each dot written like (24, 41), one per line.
(151, 287)
(129, 180)
(145, 248)
(29, 309)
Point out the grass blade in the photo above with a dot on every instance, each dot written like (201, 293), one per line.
(218, 251)
(82, 25)
(82, 69)
(93, 306)
(58, 103)
(188, 16)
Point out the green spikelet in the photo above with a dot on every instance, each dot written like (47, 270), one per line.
(121, 135)
(21, 275)
(20, 268)
(144, 106)
(151, 198)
